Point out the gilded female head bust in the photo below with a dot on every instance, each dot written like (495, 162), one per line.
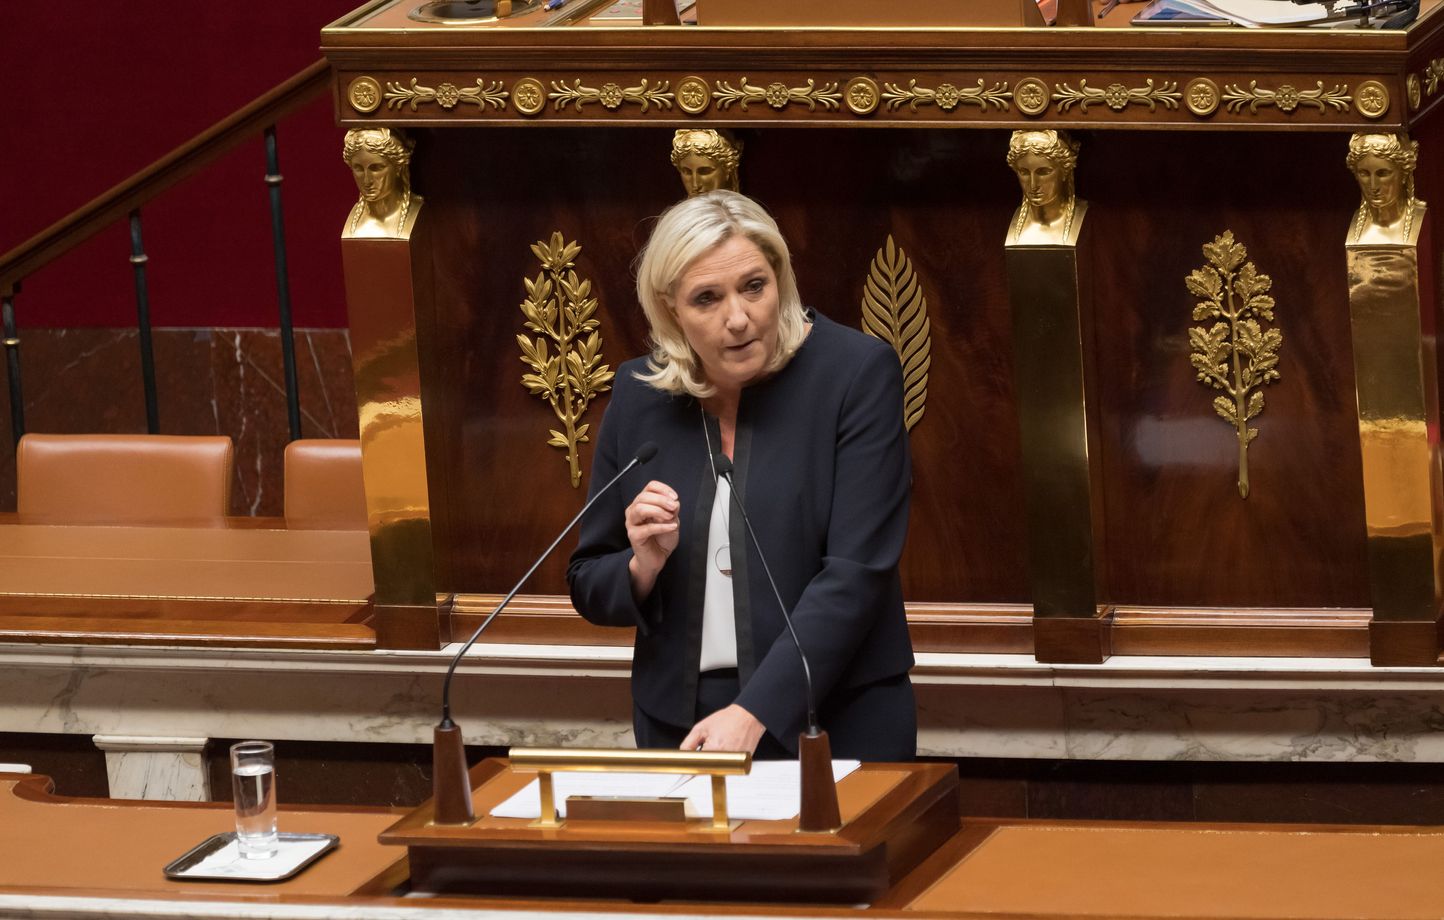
(380, 161)
(1383, 165)
(706, 159)
(1049, 213)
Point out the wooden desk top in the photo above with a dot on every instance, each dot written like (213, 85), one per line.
(58, 842)
(232, 563)
(995, 869)
(239, 582)
(1157, 870)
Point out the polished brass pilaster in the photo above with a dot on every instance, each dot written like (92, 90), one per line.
(1053, 351)
(1396, 384)
(388, 285)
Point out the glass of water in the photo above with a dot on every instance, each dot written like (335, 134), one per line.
(253, 777)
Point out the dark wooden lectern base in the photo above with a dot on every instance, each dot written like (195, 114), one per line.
(893, 817)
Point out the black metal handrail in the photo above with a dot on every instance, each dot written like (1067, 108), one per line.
(127, 198)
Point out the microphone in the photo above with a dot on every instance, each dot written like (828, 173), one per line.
(723, 465)
(819, 811)
(451, 787)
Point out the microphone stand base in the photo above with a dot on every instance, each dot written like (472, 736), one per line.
(450, 782)
(819, 790)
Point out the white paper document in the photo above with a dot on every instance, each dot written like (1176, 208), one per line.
(1270, 12)
(771, 792)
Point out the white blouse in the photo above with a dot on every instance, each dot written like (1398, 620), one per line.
(719, 618)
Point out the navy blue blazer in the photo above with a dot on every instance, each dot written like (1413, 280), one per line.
(822, 466)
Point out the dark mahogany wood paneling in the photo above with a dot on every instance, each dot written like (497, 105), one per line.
(1178, 533)
(945, 197)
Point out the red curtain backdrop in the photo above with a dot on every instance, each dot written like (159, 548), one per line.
(96, 91)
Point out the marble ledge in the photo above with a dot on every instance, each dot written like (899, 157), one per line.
(1118, 673)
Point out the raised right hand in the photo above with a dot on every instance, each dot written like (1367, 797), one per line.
(652, 524)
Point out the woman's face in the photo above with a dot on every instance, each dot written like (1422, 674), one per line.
(727, 304)
(374, 174)
(1040, 178)
(1380, 180)
(699, 174)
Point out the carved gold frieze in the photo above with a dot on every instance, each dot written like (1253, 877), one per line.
(778, 95)
(1286, 98)
(1235, 354)
(1372, 99)
(528, 95)
(1030, 94)
(561, 311)
(1201, 96)
(895, 310)
(1117, 96)
(867, 95)
(946, 96)
(447, 95)
(693, 95)
(861, 95)
(611, 95)
(364, 94)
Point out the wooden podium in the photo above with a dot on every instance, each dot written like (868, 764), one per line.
(894, 817)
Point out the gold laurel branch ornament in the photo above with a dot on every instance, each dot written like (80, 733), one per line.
(611, 95)
(447, 95)
(561, 311)
(1235, 354)
(895, 310)
(1117, 96)
(1287, 97)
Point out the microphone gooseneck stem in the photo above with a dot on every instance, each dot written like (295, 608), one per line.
(812, 728)
(642, 456)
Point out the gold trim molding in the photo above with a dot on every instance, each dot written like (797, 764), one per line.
(779, 95)
(560, 309)
(946, 96)
(867, 95)
(1287, 98)
(612, 96)
(694, 94)
(861, 95)
(364, 94)
(1372, 99)
(1201, 96)
(1031, 96)
(528, 96)
(1117, 96)
(1433, 74)
(895, 310)
(1235, 354)
(447, 95)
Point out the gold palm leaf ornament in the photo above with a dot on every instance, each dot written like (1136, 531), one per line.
(1235, 354)
(561, 311)
(895, 310)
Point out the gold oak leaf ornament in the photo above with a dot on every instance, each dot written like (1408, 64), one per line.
(895, 310)
(1235, 354)
(561, 311)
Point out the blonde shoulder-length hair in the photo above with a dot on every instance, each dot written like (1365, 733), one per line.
(684, 233)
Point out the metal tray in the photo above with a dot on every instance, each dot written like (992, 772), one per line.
(277, 869)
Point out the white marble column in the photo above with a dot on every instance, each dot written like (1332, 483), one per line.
(170, 769)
